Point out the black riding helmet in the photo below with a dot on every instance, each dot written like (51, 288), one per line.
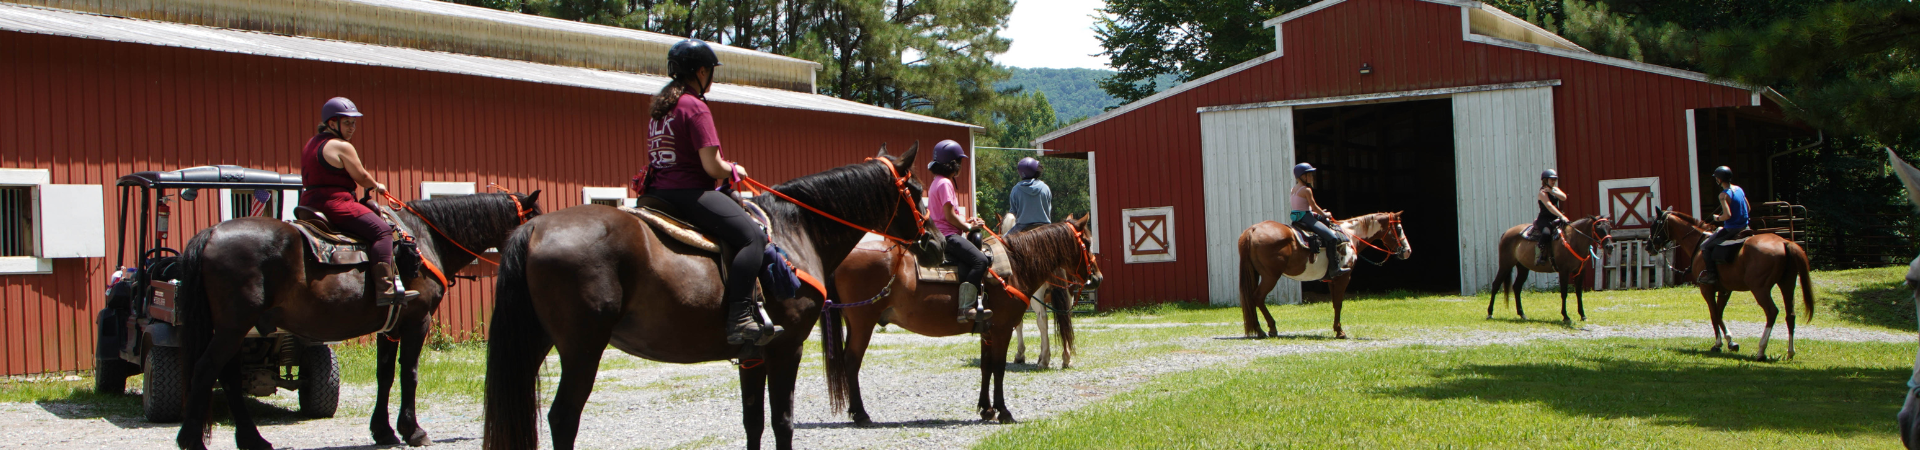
(1723, 173)
(689, 56)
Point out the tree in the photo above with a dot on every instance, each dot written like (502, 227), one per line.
(1145, 39)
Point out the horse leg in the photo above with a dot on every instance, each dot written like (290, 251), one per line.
(998, 363)
(213, 361)
(1786, 296)
(1580, 299)
(753, 396)
(1493, 292)
(859, 334)
(1563, 300)
(580, 354)
(783, 369)
(246, 434)
(1519, 285)
(1720, 318)
(1266, 287)
(1764, 297)
(411, 341)
(1020, 340)
(985, 406)
(1339, 293)
(388, 352)
(1039, 308)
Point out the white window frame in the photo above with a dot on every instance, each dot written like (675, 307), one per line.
(429, 189)
(1126, 223)
(78, 228)
(288, 200)
(589, 194)
(1652, 201)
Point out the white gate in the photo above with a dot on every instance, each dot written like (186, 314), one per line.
(1247, 157)
(1502, 140)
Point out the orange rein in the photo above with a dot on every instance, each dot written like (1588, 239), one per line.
(1576, 255)
(521, 210)
(1393, 230)
(898, 181)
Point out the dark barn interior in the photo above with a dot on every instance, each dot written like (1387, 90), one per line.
(1389, 157)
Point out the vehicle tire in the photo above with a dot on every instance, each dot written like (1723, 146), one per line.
(319, 382)
(163, 392)
(110, 376)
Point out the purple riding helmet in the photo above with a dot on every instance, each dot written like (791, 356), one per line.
(1028, 168)
(947, 150)
(337, 107)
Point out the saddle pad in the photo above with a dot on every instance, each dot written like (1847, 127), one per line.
(1317, 269)
(329, 247)
(951, 274)
(679, 231)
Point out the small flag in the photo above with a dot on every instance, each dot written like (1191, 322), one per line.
(261, 197)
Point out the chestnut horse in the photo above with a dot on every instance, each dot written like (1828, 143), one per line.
(1765, 260)
(887, 275)
(1270, 250)
(581, 278)
(255, 273)
(1573, 256)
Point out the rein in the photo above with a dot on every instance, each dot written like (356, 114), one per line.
(1392, 228)
(520, 211)
(898, 181)
(1590, 250)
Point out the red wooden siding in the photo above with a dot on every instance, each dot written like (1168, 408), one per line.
(91, 111)
(1611, 123)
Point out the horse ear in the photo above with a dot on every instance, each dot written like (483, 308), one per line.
(532, 199)
(905, 163)
(883, 150)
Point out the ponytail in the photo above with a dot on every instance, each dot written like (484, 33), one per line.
(667, 99)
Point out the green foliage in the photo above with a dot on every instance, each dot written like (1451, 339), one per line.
(1147, 39)
(1074, 93)
(1066, 177)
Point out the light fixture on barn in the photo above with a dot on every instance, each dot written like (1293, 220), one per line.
(1366, 68)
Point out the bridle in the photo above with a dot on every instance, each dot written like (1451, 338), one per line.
(520, 211)
(1660, 233)
(1395, 236)
(899, 182)
(1088, 264)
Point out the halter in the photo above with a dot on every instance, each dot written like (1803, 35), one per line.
(1086, 256)
(899, 182)
(1673, 242)
(1590, 251)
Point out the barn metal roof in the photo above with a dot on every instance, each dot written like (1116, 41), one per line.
(35, 20)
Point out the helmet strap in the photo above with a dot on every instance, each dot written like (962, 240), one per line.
(334, 130)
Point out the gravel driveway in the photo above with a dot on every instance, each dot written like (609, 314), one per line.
(919, 403)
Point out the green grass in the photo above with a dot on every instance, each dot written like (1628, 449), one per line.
(1616, 393)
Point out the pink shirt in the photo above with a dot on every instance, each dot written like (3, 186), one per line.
(1299, 202)
(673, 146)
(939, 195)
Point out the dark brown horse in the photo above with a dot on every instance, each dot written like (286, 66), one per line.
(887, 275)
(581, 278)
(1765, 260)
(1270, 250)
(1573, 256)
(255, 273)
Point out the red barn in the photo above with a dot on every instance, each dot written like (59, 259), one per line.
(456, 98)
(1447, 110)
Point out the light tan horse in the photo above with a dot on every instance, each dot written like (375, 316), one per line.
(1057, 297)
(1573, 256)
(1270, 250)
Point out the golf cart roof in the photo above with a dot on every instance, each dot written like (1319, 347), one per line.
(213, 177)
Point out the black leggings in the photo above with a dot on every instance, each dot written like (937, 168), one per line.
(721, 218)
(973, 263)
(1544, 231)
(370, 226)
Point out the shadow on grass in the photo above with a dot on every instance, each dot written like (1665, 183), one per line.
(1887, 303)
(1842, 400)
(125, 411)
(932, 423)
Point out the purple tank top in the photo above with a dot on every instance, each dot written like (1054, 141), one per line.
(673, 146)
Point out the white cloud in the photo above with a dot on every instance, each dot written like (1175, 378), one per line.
(1053, 33)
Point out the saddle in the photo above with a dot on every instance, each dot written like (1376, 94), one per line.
(777, 278)
(1727, 251)
(328, 246)
(1318, 262)
(1529, 235)
(945, 271)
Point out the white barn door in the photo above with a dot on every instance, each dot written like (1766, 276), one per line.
(1502, 140)
(1246, 159)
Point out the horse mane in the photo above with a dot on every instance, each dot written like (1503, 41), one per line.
(469, 218)
(1043, 248)
(1690, 221)
(834, 191)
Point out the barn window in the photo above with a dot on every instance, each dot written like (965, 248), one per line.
(437, 189)
(16, 221)
(610, 196)
(237, 203)
(1149, 234)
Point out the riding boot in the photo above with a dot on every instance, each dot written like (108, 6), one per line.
(970, 308)
(1709, 274)
(1543, 252)
(386, 285)
(743, 324)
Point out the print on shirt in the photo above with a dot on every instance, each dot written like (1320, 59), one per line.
(660, 143)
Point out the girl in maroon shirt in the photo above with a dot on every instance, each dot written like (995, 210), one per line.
(330, 169)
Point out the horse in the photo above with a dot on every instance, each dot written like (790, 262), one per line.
(1059, 294)
(888, 276)
(1270, 250)
(583, 277)
(1517, 260)
(1909, 417)
(256, 273)
(1765, 260)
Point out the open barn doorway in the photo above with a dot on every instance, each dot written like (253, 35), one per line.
(1389, 157)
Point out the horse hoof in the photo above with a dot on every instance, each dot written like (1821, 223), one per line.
(1733, 346)
(1715, 349)
(861, 419)
(1340, 336)
(1020, 359)
(1489, 316)
(1761, 358)
(254, 444)
(989, 414)
(1007, 417)
(389, 439)
(419, 439)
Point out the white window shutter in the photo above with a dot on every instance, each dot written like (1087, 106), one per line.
(73, 221)
(289, 199)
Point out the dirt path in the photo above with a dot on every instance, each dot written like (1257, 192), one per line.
(918, 402)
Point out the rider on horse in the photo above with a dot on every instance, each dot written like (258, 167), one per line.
(330, 169)
(953, 227)
(685, 167)
(1733, 218)
(1546, 225)
(1031, 200)
(1307, 215)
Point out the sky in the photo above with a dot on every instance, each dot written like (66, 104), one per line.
(1053, 33)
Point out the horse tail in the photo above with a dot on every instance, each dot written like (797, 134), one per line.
(1797, 258)
(516, 346)
(833, 349)
(1249, 282)
(195, 311)
(1063, 316)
